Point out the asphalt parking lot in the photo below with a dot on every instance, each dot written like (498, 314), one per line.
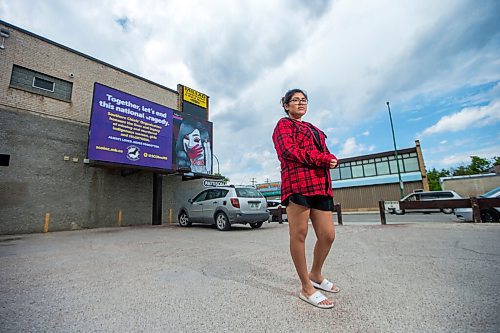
(402, 277)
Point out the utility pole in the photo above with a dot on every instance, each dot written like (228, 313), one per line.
(401, 188)
(253, 181)
(218, 170)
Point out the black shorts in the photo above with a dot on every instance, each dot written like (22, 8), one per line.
(319, 202)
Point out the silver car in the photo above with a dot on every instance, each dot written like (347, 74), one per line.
(225, 205)
(424, 196)
(487, 215)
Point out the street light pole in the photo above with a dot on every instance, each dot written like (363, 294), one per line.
(401, 188)
(218, 171)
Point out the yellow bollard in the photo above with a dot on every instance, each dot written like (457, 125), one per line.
(46, 223)
(120, 218)
(170, 215)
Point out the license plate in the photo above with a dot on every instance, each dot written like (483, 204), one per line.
(254, 205)
(391, 205)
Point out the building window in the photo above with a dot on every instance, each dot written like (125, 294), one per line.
(394, 167)
(345, 173)
(378, 166)
(43, 84)
(335, 174)
(383, 168)
(357, 171)
(411, 164)
(369, 170)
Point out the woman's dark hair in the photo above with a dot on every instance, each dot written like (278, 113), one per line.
(288, 96)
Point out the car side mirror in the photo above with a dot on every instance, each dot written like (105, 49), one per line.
(190, 201)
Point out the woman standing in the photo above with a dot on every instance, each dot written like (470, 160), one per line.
(306, 192)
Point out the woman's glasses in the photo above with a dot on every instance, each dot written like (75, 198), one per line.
(299, 101)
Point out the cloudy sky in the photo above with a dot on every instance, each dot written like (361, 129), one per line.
(437, 62)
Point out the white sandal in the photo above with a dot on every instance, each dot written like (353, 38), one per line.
(326, 286)
(315, 299)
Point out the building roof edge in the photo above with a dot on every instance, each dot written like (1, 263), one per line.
(84, 55)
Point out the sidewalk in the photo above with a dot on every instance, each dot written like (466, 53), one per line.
(418, 277)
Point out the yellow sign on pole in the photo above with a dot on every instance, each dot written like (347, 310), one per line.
(195, 97)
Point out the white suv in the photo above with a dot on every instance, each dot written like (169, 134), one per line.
(274, 205)
(424, 196)
(225, 205)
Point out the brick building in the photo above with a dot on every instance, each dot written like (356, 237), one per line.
(46, 94)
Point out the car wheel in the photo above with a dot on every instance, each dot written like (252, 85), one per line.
(399, 212)
(488, 215)
(447, 210)
(222, 222)
(256, 225)
(184, 220)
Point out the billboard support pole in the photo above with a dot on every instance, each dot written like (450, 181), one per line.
(157, 198)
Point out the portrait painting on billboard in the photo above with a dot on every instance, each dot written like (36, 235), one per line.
(193, 144)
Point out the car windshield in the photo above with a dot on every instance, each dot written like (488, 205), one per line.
(247, 192)
(490, 193)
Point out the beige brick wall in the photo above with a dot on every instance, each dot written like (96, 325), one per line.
(365, 198)
(472, 186)
(26, 50)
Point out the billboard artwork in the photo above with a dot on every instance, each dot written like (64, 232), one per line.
(192, 144)
(130, 130)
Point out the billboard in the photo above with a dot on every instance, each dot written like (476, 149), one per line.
(129, 130)
(193, 102)
(268, 187)
(195, 97)
(192, 144)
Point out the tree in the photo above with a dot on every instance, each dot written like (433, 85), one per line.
(478, 165)
(462, 170)
(433, 178)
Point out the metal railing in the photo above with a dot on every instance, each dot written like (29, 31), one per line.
(475, 203)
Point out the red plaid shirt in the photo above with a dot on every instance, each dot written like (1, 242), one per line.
(305, 162)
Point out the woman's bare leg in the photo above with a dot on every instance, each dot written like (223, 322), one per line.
(325, 234)
(298, 217)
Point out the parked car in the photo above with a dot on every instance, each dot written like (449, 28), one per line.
(430, 195)
(487, 215)
(225, 205)
(274, 205)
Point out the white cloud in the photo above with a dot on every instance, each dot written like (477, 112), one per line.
(352, 148)
(246, 54)
(415, 119)
(467, 118)
(460, 158)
